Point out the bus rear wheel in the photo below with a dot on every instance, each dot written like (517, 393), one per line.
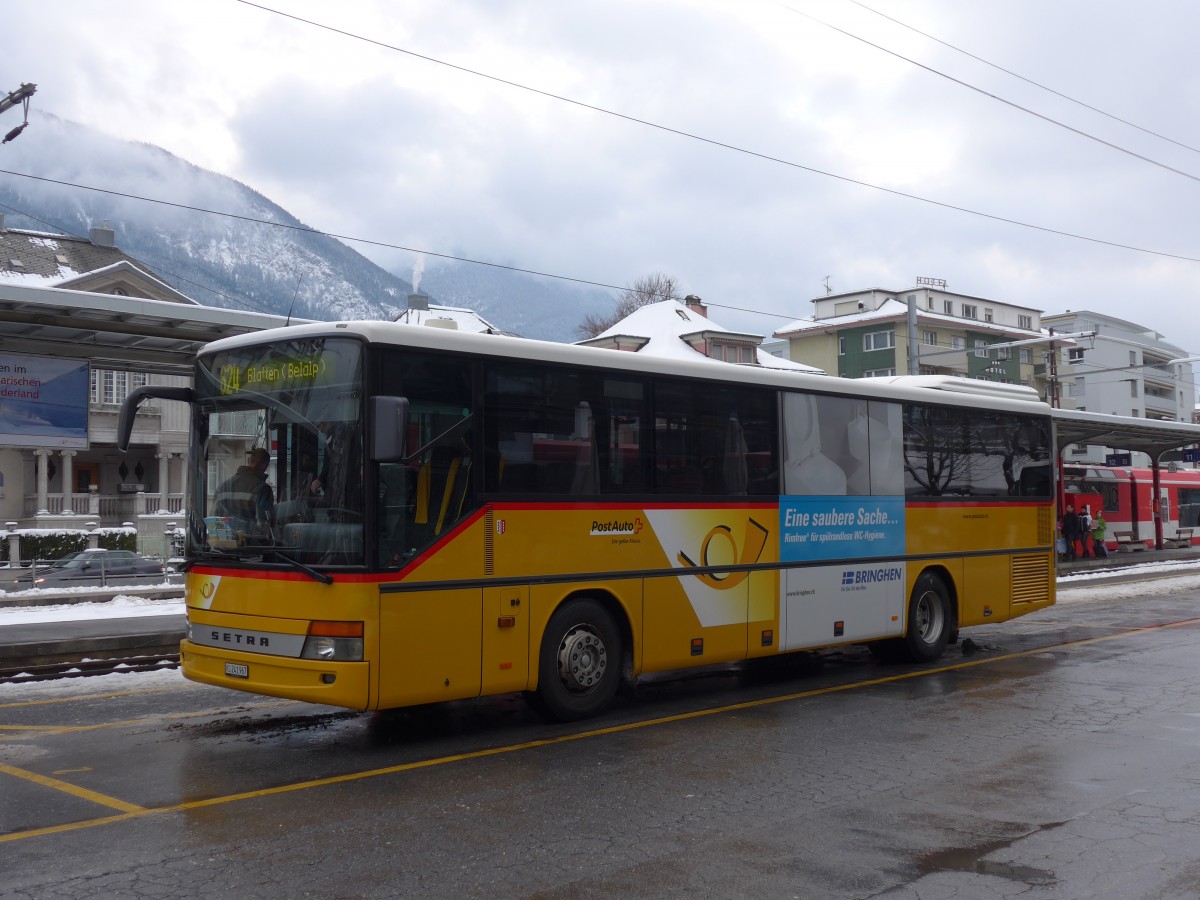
(579, 666)
(930, 620)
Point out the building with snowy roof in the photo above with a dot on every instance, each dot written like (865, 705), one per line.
(865, 334)
(684, 331)
(421, 312)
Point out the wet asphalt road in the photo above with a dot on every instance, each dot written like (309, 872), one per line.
(1054, 756)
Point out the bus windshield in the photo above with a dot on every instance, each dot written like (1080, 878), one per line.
(278, 431)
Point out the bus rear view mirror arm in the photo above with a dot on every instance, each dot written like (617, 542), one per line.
(134, 400)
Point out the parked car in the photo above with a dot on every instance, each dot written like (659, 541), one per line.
(97, 567)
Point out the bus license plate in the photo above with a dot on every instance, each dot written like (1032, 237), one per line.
(237, 670)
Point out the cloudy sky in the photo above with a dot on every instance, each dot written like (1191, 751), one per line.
(754, 150)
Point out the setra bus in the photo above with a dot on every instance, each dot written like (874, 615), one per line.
(455, 515)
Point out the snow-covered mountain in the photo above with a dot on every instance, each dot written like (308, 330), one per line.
(234, 260)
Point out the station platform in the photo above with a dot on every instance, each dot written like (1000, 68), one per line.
(42, 643)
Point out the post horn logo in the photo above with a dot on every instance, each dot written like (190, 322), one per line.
(752, 548)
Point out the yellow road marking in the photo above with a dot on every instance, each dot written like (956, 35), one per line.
(80, 697)
(133, 811)
(72, 789)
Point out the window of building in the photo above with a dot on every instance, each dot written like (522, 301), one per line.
(733, 353)
(1133, 357)
(841, 345)
(111, 388)
(1133, 388)
(958, 342)
(1002, 353)
(879, 340)
(1026, 355)
(981, 349)
(1076, 388)
(1025, 322)
(987, 314)
(878, 373)
(970, 311)
(1075, 355)
(930, 338)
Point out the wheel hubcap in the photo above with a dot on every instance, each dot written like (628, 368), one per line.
(582, 659)
(930, 617)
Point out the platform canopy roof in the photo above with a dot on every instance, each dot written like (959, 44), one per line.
(117, 332)
(1151, 436)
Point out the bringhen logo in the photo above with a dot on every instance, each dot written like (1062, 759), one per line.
(856, 577)
(616, 526)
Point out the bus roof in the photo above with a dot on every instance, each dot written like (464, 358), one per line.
(945, 390)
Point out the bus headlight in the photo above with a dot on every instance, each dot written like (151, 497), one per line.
(337, 649)
(334, 641)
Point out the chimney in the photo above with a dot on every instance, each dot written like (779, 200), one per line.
(418, 301)
(103, 236)
(696, 305)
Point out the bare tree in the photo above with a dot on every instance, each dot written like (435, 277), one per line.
(650, 289)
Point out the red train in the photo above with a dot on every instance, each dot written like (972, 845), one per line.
(1126, 495)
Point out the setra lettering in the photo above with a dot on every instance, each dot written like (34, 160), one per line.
(233, 637)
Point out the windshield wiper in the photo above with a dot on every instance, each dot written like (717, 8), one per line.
(294, 563)
(248, 550)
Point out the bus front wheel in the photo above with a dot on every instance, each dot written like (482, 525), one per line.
(929, 619)
(579, 666)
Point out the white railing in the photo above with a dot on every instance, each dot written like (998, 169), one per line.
(110, 507)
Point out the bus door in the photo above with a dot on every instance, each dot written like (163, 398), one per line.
(505, 639)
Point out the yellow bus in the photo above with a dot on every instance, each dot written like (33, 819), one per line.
(441, 515)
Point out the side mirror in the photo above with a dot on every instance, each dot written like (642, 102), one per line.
(134, 399)
(389, 425)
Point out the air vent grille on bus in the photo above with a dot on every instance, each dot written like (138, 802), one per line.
(1045, 529)
(489, 542)
(1031, 578)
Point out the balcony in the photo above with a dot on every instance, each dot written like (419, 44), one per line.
(107, 509)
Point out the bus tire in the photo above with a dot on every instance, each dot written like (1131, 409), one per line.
(930, 619)
(579, 666)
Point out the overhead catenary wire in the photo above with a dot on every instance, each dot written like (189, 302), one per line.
(1030, 81)
(722, 144)
(479, 262)
(647, 123)
(1050, 119)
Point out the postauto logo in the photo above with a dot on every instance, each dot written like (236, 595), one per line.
(858, 579)
(616, 527)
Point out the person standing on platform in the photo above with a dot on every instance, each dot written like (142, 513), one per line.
(1070, 532)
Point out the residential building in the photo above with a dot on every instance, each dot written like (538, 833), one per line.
(866, 333)
(1123, 369)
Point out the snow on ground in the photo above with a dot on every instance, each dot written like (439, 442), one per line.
(117, 682)
(123, 606)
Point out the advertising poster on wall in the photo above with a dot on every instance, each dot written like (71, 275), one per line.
(43, 402)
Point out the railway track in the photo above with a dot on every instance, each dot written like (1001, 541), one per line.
(89, 667)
